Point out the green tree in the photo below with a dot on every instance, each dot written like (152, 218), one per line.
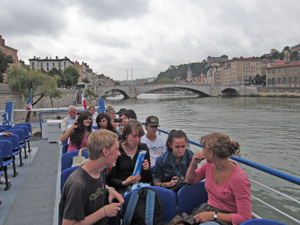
(55, 72)
(294, 56)
(85, 80)
(41, 84)
(70, 76)
(4, 61)
(90, 94)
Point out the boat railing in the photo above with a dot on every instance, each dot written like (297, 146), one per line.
(264, 169)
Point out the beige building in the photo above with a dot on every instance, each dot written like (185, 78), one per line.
(286, 75)
(242, 70)
(47, 64)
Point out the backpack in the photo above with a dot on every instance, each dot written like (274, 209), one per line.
(144, 208)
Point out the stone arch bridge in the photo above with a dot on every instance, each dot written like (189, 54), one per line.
(132, 91)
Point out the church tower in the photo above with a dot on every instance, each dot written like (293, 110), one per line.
(189, 74)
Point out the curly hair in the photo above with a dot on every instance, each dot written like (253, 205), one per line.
(221, 145)
(78, 133)
(107, 117)
(175, 134)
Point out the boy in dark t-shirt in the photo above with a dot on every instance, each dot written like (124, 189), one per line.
(85, 195)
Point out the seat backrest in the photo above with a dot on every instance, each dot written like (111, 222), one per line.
(2, 129)
(67, 158)
(24, 128)
(6, 126)
(19, 132)
(262, 222)
(14, 139)
(188, 200)
(25, 124)
(1, 159)
(64, 176)
(6, 147)
(168, 199)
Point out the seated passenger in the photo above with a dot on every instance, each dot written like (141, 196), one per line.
(104, 122)
(121, 174)
(172, 165)
(86, 199)
(227, 185)
(92, 110)
(69, 120)
(129, 115)
(156, 143)
(78, 132)
(110, 111)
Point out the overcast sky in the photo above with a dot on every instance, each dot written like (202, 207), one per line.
(113, 36)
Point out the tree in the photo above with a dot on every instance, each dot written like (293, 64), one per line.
(40, 83)
(55, 72)
(85, 80)
(294, 56)
(70, 76)
(90, 94)
(4, 61)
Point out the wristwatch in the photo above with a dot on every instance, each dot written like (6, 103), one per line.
(111, 188)
(215, 216)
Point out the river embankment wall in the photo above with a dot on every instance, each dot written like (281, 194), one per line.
(9, 95)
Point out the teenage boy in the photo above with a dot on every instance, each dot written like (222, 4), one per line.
(86, 199)
(155, 142)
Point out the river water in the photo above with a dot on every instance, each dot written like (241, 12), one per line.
(267, 128)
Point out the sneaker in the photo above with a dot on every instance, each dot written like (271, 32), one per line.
(2, 180)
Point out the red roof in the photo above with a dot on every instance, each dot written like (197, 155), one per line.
(284, 65)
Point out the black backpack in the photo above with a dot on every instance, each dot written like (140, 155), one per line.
(144, 208)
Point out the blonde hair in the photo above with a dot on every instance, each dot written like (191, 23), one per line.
(98, 140)
(221, 145)
(109, 110)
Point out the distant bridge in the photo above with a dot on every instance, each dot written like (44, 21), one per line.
(132, 91)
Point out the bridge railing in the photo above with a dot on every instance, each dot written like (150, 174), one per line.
(275, 173)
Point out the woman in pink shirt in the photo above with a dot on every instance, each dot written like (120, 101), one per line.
(78, 132)
(227, 185)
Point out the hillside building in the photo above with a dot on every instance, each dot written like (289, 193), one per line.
(9, 51)
(47, 64)
(285, 75)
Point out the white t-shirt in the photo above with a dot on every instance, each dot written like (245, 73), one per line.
(156, 148)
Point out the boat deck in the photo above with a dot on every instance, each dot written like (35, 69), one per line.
(33, 197)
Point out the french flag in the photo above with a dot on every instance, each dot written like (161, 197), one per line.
(83, 102)
(29, 105)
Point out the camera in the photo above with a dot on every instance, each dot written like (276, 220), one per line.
(117, 120)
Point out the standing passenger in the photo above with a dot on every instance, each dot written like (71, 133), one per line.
(155, 142)
(86, 199)
(227, 185)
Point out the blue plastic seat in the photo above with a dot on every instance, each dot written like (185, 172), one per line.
(262, 222)
(64, 176)
(168, 198)
(67, 158)
(27, 133)
(7, 158)
(25, 124)
(2, 129)
(22, 141)
(14, 139)
(188, 200)
(6, 126)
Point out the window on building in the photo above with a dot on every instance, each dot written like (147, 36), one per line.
(290, 80)
(284, 80)
(273, 80)
(47, 68)
(32, 63)
(295, 80)
(47, 64)
(278, 80)
(53, 64)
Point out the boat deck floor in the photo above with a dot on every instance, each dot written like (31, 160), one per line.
(34, 195)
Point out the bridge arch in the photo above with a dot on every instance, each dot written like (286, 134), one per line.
(200, 93)
(124, 93)
(229, 92)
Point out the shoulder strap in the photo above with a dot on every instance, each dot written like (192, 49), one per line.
(130, 208)
(150, 205)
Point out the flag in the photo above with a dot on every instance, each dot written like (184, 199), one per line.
(29, 105)
(83, 101)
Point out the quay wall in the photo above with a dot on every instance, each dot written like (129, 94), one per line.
(9, 95)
